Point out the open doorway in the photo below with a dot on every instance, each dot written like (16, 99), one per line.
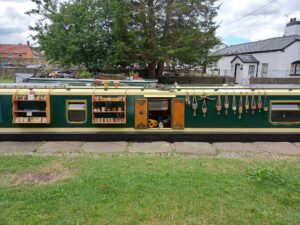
(159, 113)
(237, 71)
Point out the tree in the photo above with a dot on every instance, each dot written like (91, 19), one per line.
(157, 31)
(77, 32)
(102, 33)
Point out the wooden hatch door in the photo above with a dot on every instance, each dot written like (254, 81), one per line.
(178, 108)
(141, 113)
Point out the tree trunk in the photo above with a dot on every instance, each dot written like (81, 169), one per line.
(165, 39)
(203, 70)
(160, 69)
(152, 70)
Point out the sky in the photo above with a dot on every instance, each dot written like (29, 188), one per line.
(239, 21)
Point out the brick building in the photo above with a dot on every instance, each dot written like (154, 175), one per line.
(20, 54)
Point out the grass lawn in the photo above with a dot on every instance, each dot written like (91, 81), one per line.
(6, 79)
(145, 189)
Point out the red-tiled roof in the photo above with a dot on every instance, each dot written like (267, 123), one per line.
(14, 49)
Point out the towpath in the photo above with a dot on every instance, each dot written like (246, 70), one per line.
(226, 149)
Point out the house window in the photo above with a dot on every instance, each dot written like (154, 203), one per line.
(264, 69)
(76, 111)
(251, 70)
(285, 112)
(295, 68)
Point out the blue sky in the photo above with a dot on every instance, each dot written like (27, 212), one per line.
(233, 40)
(236, 26)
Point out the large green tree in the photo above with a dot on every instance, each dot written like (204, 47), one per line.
(159, 31)
(76, 32)
(102, 33)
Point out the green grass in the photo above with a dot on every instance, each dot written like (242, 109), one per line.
(6, 79)
(143, 189)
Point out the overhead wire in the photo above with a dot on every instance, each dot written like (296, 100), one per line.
(250, 13)
(242, 28)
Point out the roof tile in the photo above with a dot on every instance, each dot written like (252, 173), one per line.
(273, 44)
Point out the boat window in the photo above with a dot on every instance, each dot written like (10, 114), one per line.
(285, 112)
(76, 111)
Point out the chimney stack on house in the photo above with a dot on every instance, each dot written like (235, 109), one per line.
(292, 28)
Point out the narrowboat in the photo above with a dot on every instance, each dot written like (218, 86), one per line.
(104, 111)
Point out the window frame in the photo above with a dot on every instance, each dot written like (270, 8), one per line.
(264, 73)
(68, 102)
(295, 68)
(253, 71)
(283, 102)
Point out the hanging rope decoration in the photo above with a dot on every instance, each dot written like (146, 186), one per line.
(204, 108)
(253, 104)
(195, 105)
(266, 108)
(187, 99)
(226, 104)
(203, 98)
(233, 104)
(219, 104)
(241, 106)
(259, 103)
(247, 103)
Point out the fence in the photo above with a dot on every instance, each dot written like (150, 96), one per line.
(24, 62)
(9, 72)
(261, 80)
(186, 72)
(204, 80)
(257, 73)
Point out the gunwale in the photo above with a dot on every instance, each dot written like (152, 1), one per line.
(152, 92)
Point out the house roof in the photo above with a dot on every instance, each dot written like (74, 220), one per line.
(246, 59)
(14, 49)
(273, 44)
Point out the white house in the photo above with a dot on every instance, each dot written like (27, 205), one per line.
(275, 58)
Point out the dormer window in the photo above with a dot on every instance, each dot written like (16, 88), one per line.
(295, 68)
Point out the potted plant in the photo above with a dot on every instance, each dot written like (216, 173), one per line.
(131, 73)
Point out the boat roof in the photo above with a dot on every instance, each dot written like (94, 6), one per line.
(135, 84)
(158, 91)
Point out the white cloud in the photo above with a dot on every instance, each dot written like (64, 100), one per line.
(266, 22)
(13, 22)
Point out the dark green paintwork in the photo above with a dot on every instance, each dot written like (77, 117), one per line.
(212, 119)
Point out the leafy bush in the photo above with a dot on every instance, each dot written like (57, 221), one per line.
(85, 74)
(44, 71)
(166, 79)
(265, 176)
